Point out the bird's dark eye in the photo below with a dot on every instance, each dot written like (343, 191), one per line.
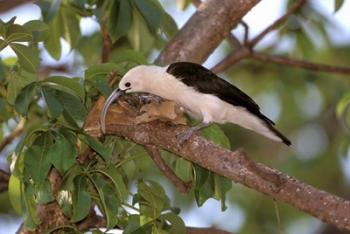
(127, 84)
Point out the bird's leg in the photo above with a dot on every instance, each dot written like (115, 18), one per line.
(184, 136)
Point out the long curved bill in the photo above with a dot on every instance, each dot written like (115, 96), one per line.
(114, 95)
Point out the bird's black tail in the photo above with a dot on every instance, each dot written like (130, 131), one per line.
(269, 123)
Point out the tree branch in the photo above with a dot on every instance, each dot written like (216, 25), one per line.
(296, 6)
(205, 30)
(13, 135)
(7, 5)
(154, 153)
(299, 63)
(233, 165)
(4, 180)
(194, 230)
(246, 51)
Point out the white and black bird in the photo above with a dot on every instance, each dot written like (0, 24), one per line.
(201, 93)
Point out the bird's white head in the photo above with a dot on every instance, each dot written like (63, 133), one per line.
(140, 78)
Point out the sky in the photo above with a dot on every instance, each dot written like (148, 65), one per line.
(258, 18)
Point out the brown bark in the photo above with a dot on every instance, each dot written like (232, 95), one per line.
(154, 153)
(205, 30)
(233, 165)
(4, 180)
(6, 5)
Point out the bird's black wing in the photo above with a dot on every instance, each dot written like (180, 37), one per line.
(205, 81)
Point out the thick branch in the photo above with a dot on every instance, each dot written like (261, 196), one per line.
(205, 30)
(7, 5)
(154, 153)
(237, 167)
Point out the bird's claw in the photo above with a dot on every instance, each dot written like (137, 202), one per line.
(185, 136)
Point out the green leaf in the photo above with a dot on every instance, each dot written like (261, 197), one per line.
(4, 26)
(342, 110)
(121, 190)
(153, 200)
(28, 56)
(343, 105)
(31, 220)
(52, 42)
(108, 201)
(152, 13)
(128, 55)
(139, 35)
(62, 153)
(177, 224)
(74, 108)
(101, 70)
(96, 146)
(184, 169)
(169, 26)
(37, 161)
(54, 107)
(120, 18)
(216, 135)
(25, 97)
(81, 200)
(18, 33)
(38, 28)
(44, 193)
(338, 4)
(98, 74)
(222, 186)
(204, 186)
(70, 25)
(16, 82)
(49, 9)
(89, 48)
(3, 44)
(72, 86)
(14, 191)
(134, 227)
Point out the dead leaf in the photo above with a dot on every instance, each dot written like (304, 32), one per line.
(167, 111)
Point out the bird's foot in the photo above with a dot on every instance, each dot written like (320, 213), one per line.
(185, 136)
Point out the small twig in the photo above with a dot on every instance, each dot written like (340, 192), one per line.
(154, 153)
(231, 59)
(92, 221)
(85, 156)
(13, 135)
(296, 6)
(299, 63)
(233, 40)
(106, 44)
(246, 33)
(4, 180)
